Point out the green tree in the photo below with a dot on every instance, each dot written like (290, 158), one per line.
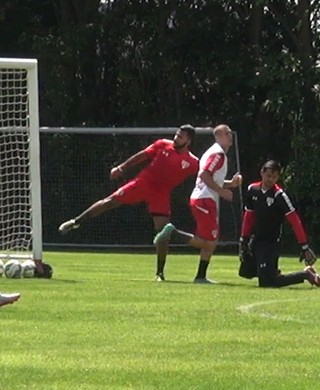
(251, 63)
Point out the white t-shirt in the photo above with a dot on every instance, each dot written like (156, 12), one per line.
(215, 161)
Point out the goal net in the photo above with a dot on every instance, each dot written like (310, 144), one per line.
(20, 201)
(75, 173)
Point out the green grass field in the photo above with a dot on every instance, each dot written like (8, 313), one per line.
(102, 322)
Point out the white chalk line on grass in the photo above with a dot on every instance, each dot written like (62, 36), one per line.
(248, 309)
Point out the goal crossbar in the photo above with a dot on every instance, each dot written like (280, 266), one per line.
(18, 63)
(119, 130)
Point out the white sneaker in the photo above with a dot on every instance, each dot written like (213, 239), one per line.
(203, 281)
(65, 227)
(5, 299)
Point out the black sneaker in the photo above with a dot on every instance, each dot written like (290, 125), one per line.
(159, 278)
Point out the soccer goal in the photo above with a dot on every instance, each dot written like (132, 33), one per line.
(75, 164)
(20, 197)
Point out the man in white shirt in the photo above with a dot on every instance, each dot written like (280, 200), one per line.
(204, 201)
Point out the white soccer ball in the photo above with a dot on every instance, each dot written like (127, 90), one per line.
(28, 267)
(1, 267)
(12, 269)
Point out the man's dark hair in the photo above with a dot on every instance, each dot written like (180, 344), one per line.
(190, 130)
(273, 165)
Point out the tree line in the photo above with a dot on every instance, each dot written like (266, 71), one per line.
(251, 64)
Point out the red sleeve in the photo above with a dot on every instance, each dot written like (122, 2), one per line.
(214, 162)
(298, 229)
(248, 221)
(195, 166)
(152, 149)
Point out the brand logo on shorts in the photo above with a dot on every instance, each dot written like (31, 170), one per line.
(269, 201)
(184, 164)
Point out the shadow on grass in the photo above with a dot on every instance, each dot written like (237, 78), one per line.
(60, 281)
(237, 285)
(217, 284)
(213, 285)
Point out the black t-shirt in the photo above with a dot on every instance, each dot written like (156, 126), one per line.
(270, 208)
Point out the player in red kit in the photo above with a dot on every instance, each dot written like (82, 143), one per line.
(170, 163)
(211, 185)
(267, 206)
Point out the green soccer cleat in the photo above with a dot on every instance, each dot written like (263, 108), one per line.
(164, 234)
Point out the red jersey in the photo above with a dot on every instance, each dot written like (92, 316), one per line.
(168, 168)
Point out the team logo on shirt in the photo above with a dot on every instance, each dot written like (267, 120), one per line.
(185, 164)
(269, 201)
(165, 153)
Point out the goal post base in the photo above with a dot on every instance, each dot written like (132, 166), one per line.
(43, 270)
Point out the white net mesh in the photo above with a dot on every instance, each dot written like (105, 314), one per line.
(15, 205)
(75, 173)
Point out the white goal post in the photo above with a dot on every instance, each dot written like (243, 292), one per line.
(20, 186)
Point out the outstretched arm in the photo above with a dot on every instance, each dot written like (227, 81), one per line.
(132, 161)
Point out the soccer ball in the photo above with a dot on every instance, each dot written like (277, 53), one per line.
(12, 269)
(1, 267)
(28, 267)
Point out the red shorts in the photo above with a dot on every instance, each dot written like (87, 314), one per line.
(205, 213)
(137, 191)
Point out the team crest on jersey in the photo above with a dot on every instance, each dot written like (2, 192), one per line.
(185, 164)
(165, 153)
(269, 201)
